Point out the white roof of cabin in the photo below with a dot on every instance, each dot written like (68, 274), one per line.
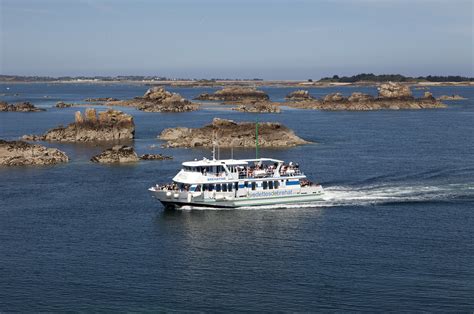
(230, 162)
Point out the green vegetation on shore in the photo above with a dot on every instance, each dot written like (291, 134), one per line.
(370, 77)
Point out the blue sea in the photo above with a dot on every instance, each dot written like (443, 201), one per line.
(394, 232)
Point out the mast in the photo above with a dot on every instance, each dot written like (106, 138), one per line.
(256, 140)
(214, 146)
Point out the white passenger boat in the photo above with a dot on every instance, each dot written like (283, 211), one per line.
(237, 183)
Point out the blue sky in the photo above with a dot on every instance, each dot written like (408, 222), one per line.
(270, 39)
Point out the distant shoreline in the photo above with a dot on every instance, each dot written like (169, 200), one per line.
(217, 83)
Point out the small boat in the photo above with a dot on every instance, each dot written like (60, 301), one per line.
(236, 183)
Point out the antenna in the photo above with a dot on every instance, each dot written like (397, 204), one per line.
(214, 146)
(256, 140)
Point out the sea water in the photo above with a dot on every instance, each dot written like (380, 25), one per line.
(393, 232)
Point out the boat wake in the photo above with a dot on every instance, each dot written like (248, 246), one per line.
(382, 194)
(367, 195)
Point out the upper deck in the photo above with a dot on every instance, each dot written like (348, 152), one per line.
(206, 170)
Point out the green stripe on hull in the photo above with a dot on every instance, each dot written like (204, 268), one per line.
(278, 200)
(291, 199)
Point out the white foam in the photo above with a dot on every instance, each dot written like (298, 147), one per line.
(371, 195)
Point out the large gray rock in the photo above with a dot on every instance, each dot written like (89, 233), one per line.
(394, 90)
(19, 153)
(110, 125)
(228, 133)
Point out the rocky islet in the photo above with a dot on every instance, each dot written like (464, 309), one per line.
(391, 96)
(19, 107)
(20, 153)
(228, 133)
(109, 125)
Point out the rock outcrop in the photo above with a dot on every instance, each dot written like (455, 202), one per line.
(125, 154)
(394, 91)
(62, 104)
(19, 153)
(101, 99)
(228, 133)
(155, 157)
(391, 96)
(20, 107)
(299, 95)
(360, 97)
(117, 154)
(235, 94)
(157, 99)
(334, 97)
(452, 97)
(110, 125)
(260, 107)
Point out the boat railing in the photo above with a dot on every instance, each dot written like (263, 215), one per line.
(269, 174)
(253, 173)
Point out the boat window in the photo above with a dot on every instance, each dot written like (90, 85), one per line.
(270, 184)
(246, 184)
(236, 185)
(198, 188)
(253, 185)
(224, 187)
(218, 187)
(265, 185)
(229, 187)
(276, 184)
(211, 187)
(205, 187)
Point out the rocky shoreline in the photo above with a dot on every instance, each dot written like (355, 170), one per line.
(391, 96)
(19, 153)
(20, 107)
(110, 125)
(228, 133)
(100, 99)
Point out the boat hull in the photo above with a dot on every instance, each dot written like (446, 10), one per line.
(177, 202)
